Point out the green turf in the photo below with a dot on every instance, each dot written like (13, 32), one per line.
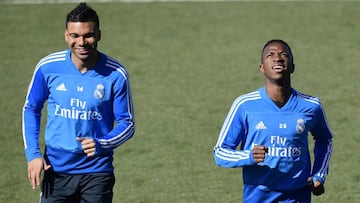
(187, 62)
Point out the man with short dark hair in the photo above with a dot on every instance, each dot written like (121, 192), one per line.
(86, 92)
(270, 126)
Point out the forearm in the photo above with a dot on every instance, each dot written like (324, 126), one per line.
(121, 133)
(31, 130)
(229, 158)
(322, 154)
(37, 94)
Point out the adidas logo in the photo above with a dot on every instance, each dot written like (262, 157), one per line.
(61, 87)
(260, 126)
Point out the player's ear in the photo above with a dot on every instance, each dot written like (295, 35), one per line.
(99, 35)
(261, 68)
(66, 35)
(293, 68)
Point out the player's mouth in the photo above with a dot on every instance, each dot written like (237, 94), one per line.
(278, 68)
(82, 51)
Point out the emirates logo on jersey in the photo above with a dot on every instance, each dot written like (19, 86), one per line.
(78, 111)
(281, 147)
(99, 91)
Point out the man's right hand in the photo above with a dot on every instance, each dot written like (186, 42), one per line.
(259, 152)
(35, 167)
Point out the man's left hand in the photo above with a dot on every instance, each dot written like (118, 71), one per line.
(88, 145)
(317, 188)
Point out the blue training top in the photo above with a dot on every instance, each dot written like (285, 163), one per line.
(254, 119)
(78, 105)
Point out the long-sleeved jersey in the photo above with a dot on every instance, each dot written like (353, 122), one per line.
(78, 105)
(254, 119)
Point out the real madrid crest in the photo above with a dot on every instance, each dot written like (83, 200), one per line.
(99, 91)
(300, 126)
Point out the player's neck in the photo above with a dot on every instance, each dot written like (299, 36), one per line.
(85, 65)
(278, 94)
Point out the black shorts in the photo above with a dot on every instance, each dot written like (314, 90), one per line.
(65, 188)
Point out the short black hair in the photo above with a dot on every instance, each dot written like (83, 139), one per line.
(83, 13)
(278, 41)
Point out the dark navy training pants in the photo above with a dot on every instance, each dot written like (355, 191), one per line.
(65, 188)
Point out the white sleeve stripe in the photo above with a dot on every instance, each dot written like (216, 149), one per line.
(58, 56)
(41, 63)
(238, 102)
(231, 155)
(117, 137)
(23, 130)
(121, 138)
(325, 165)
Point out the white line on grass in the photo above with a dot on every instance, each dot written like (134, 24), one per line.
(149, 1)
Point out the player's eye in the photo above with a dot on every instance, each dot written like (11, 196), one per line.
(269, 54)
(73, 35)
(89, 35)
(284, 54)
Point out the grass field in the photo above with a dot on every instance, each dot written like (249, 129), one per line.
(188, 61)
